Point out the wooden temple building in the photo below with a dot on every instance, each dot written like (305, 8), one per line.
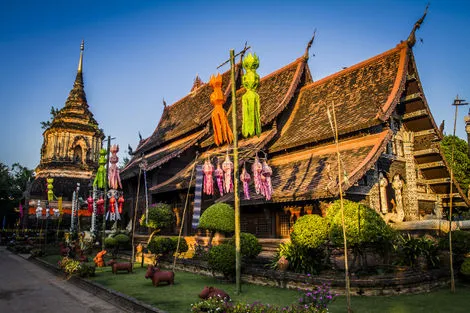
(388, 140)
(70, 150)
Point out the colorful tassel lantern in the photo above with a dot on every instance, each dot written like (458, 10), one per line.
(114, 179)
(227, 167)
(222, 131)
(120, 204)
(89, 201)
(50, 187)
(219, 176)
(250, 100)
(245, 178)
(266, 180)
(100, 179)
(257, 168)
(207, 168)
(100, 205)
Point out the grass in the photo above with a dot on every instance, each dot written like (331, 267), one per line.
(178, 298)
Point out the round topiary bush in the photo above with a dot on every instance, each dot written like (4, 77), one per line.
(465, 268)
(310, 231)
(161, 245)
(160, 216)
(122, 238)
(249, 245)
(219, 217)
(363, 225)
(110, 242)
(183, 244)
(222, 259)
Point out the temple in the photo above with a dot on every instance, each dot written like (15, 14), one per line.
(389, 145)
(70, 150)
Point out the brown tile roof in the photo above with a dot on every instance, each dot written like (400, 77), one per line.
(364, 95)
(163, 154)
(312, 173)
(247, 147)
(184, 115)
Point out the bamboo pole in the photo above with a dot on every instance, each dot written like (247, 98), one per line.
(105, 194)
(340, 186)
(235, 175)
(134, 217)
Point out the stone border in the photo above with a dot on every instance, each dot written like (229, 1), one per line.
(125, 302)
(405, 282)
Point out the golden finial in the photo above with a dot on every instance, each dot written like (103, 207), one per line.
(80, 61)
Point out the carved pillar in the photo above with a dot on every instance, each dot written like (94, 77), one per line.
(438, 207)
(411, 192)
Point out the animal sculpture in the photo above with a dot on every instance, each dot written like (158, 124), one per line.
(157, 276)
(213, 292)
(115, 266)
(99, 258)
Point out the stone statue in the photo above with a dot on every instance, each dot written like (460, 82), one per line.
(398, 213)
(383, 183)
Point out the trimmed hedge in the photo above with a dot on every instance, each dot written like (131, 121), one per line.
(218, 217)
(222, 259)
(249, 245)
(310, 232)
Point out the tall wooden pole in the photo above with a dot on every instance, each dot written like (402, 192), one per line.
(134, 217)
(236, 198)
(105, 193)
(456, 103)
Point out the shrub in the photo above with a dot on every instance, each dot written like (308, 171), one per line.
(319, 298)
(159, 216)
(465, 268)
(37, 252)
(249, 245)
(110, 242)
(310, 231)
(161, 245)
(301, 260)
(222, 259)
(122, 239)
(460, 242)
(409, 249)
(209, 305)
(183, 244)
(363, 225)
(87, 269)
(218, 217)
(69, 266)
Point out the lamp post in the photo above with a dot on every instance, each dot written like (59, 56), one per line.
(457, 102)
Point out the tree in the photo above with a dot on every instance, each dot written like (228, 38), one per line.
(159, 216)
(53, 112)
(13, 183)
(461, 165)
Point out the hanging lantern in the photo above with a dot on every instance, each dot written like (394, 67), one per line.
(222, 131)
(100, 179)
(114, 179)
(90, 201)
(245, 178)
(266, 180)
(219, 176)
(257, 168)
(50, 192)
(100, 205)
(120, 204)
(227, 167)
(250, 100)
(207, 168)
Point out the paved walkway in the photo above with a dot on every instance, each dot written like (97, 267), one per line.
(26, 287)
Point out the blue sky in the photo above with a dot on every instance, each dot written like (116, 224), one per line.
(139, 52)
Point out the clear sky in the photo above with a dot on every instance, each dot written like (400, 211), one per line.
(139, 52)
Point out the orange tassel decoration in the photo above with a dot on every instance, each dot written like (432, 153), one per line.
(222, 130)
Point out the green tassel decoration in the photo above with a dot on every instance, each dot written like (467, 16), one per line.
(250, 101)
(100, 179)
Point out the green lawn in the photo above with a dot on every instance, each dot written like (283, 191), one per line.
(179, 297)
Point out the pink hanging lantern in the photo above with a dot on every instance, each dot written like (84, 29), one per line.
(266, 179)
(257, 168)
(207, 168)
(219, 176)
(227, 167)
(245, 178)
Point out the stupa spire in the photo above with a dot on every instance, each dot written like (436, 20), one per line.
(80, 61)
(77, 94)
